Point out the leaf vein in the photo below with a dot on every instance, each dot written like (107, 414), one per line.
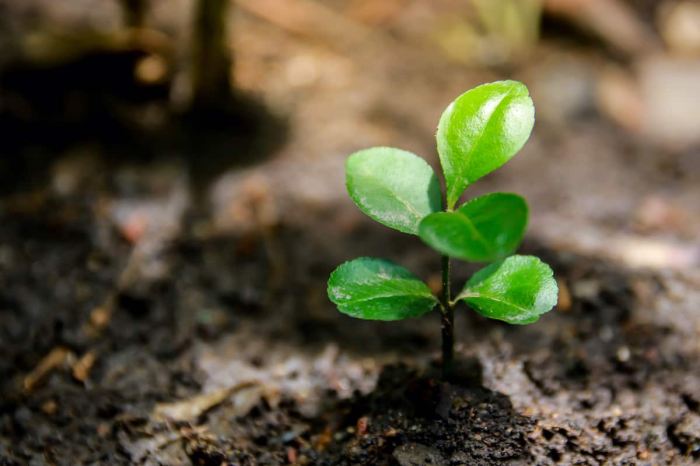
(393, 193)
(483, 132)
(372, 298)
(508, 303)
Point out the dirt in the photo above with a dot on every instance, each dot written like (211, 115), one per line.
(605, 381)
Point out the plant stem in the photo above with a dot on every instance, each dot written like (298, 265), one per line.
(211, 57)
(448, 317)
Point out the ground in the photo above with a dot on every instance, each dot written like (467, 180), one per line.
(147, 317)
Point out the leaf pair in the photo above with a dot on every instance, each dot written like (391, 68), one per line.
(400, 190)
(516, 290)
(478, 132)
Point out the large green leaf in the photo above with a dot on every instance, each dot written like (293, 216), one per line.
(484, 229)
(377, 289)
(392, 186)
(516, 290)
(480, 131)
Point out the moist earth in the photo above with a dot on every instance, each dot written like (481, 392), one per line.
(610, 377)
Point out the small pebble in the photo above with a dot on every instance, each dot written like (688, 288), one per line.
(623, 354)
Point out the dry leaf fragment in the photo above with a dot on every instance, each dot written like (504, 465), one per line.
(58, 357)
(192, 408)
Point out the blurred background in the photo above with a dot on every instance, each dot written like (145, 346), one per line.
(278, 93)
(172, 199)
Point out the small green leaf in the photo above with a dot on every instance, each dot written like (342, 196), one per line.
(392, 186)
(516, 290)
(377, 289)
(484, 229)
(480, 131)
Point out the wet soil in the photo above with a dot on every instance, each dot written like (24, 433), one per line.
(611, 377)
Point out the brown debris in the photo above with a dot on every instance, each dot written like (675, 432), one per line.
(82, 368)
(57, 358)
(565, 300)
(613, 21)
(391, 432)
(100, 317)
(361, 428)
(192, 408)
(323, 439)
(49, 407)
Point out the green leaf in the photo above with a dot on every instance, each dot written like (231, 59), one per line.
(377, 289)
(516, 290)
(392, 186)
(484, 229)
(480, 131)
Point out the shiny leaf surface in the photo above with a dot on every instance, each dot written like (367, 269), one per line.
(516, 290)
(481, 130)
(392, 186)
(377, 289)
(484, 229)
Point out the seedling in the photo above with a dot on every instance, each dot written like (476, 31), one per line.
(477, 133)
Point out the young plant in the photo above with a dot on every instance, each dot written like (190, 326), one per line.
(477, 133)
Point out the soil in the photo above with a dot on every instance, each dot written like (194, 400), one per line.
(166, 310)
(603, 382)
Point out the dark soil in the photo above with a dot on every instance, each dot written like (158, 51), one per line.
(415, 419)
(601, 382)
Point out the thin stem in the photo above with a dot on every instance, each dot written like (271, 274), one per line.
(448, 317)
(211, 56)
